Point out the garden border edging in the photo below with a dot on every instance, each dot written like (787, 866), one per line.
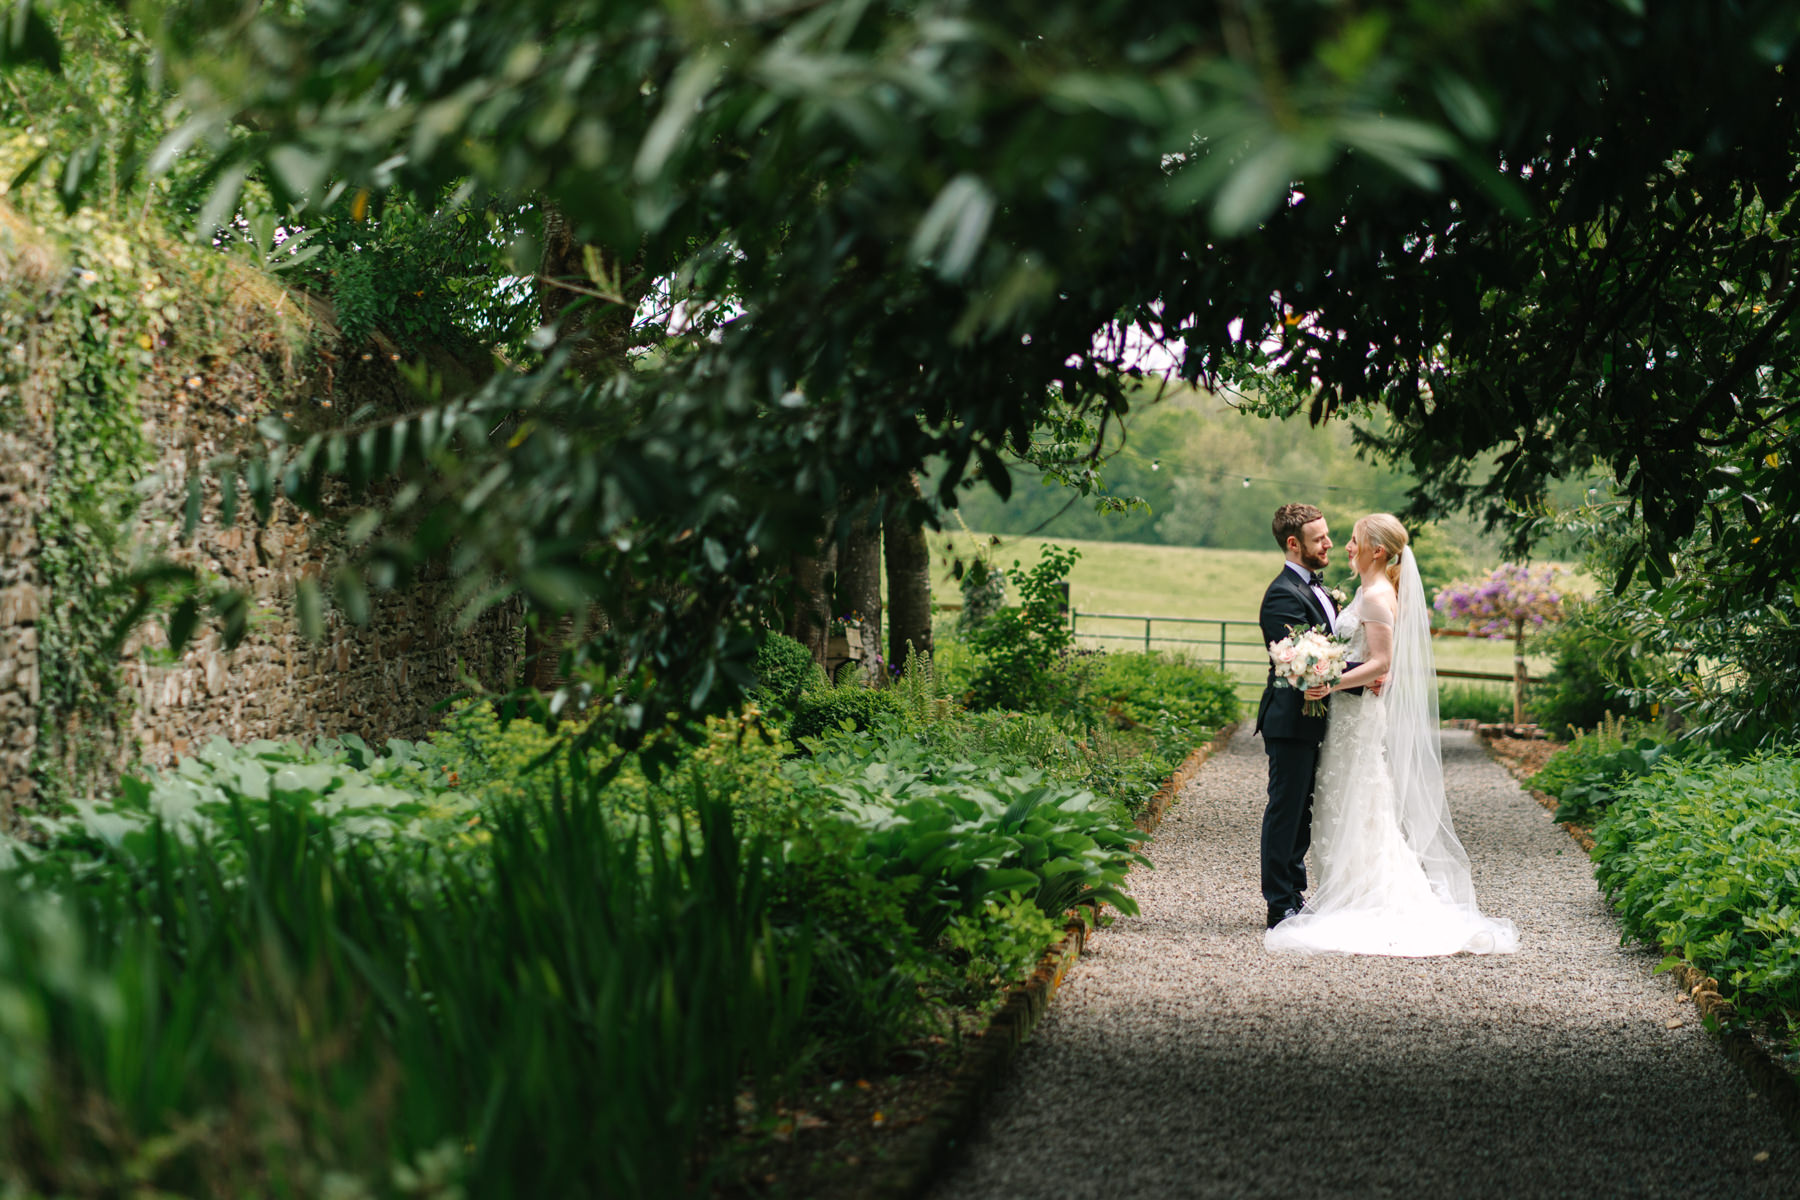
(932, 1145)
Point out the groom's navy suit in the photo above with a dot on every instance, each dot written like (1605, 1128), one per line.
(1292, 741)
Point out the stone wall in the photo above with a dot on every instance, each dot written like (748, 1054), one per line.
(378, 681)
(20, 603)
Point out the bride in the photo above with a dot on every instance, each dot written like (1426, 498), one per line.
(1392, 878)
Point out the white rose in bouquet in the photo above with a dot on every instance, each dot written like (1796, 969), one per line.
(1309, 658)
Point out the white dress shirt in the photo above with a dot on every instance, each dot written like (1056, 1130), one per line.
(1324, 599)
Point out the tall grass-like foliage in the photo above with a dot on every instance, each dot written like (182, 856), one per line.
(1473, 701)
(339, 1018)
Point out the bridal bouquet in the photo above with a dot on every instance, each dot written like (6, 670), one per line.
(1309, 658)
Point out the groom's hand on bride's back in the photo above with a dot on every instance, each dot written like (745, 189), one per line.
(1378, 685)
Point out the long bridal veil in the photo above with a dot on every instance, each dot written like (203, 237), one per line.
(1413, 754)
(1391, 877)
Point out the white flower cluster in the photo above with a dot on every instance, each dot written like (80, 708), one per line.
(1309, 658)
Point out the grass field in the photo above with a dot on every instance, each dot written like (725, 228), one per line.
(1176, 581)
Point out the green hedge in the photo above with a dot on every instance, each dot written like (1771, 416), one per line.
(784, 669)
(826, 710)
(1702, 858)
(1147, 689)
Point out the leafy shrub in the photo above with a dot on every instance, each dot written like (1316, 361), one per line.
(1123, 767)
(1592, 667)
(1019, 647)
(339, 788)
(1702, 858)
(1131, 766)
(825, 710)
(784, 669)
(1003, 942)
(1143, 689)
(1586, 774)
(867, 993)
(732, 758)
(959, 833)
(997, 738)
(390, 934)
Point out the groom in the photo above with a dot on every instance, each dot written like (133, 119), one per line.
(1295, 600)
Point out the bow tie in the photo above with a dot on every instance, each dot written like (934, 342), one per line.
(1316, 579)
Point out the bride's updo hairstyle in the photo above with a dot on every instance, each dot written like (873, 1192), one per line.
(1386, 531)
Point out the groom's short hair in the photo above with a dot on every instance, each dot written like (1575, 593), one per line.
(1290, 519)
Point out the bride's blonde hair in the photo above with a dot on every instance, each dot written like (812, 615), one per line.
(1386, 531)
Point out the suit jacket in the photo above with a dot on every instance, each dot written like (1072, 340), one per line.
(1287, 605)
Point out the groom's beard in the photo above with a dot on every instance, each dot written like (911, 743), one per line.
(1311, 563)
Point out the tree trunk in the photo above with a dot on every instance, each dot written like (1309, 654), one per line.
(1519, 671)
(908, 575)
(810, 623)
(859, 572)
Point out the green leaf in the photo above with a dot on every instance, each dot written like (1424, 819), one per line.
(222, 201)
(233, 609)
(182, 623)
(352, 595)
(951, 231)
(299, 170)
(1254, 187)
(309, 608)
(691, 82)
(27, 38)
(1464, 105)
(560, 588)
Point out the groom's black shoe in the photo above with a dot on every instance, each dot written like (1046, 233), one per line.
(1278, 915)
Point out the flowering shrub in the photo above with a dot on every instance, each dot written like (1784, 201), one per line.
(1512, 596)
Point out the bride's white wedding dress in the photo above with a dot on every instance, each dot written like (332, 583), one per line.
(1390, 876)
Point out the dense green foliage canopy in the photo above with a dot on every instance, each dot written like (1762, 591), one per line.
(893, 232)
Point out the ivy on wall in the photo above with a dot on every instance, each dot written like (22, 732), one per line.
(100, 319)
(98, 338)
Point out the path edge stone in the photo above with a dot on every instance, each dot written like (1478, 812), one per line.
(931, 1147)
(1774, 1081)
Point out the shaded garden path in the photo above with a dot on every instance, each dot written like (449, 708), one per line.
(1180, 1060)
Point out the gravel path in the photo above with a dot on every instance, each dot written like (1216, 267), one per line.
(1180, 1060)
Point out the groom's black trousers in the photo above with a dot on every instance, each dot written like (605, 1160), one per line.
(1287, 821)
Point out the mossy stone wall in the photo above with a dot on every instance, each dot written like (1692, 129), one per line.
(128, 360)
